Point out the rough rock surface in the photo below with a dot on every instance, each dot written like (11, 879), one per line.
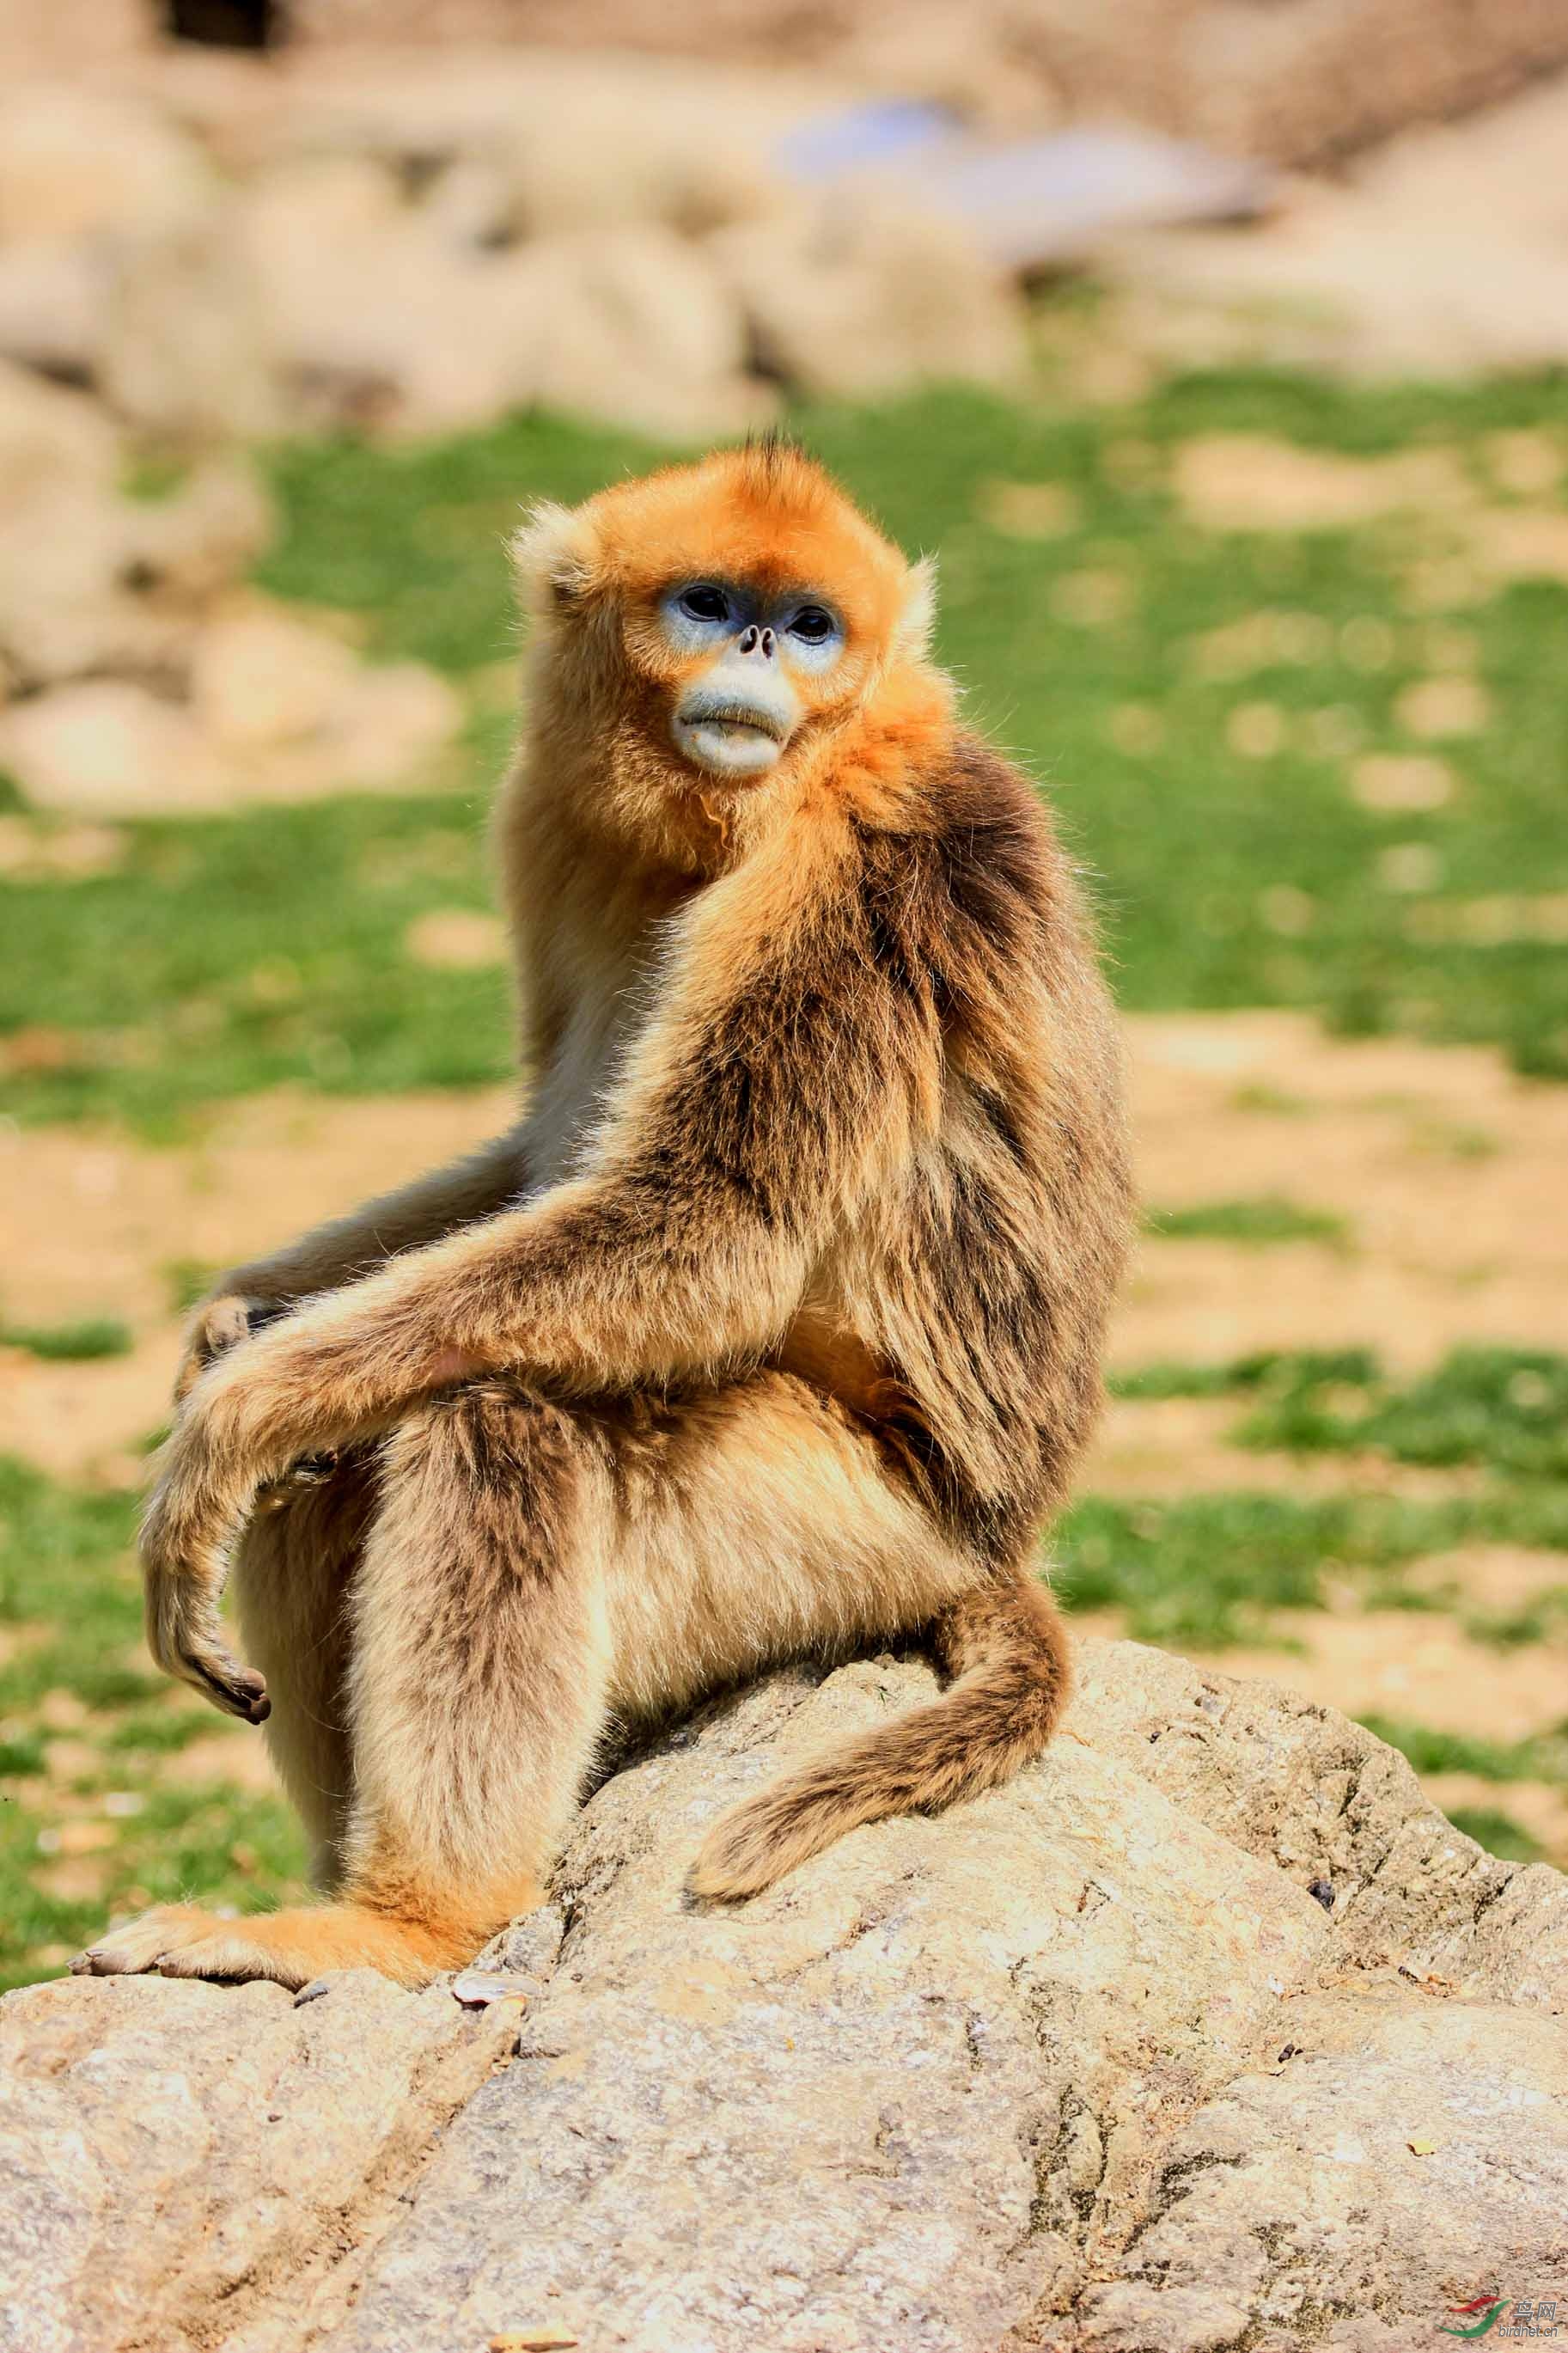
(1208, 2030)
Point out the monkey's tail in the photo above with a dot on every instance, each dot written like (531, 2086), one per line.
(1006, 1649)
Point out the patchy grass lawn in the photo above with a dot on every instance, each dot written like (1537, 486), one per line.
(1313, 765)
(1315, 754)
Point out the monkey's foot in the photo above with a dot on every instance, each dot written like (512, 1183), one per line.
(179, 1940)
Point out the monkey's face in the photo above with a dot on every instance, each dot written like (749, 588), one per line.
(751, 660)
(708, 627)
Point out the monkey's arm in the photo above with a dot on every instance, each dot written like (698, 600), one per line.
(782, 1079)
(347, 1248)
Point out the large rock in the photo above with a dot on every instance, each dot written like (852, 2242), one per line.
(52, 294)
(111, 747)
(1303, 81)
(165, 2149)
(636, 327)
(75, 161)
(860, 294)
(425, 318)
(595, 141)
(277, 712)
(1208, 2028)
(185, 354)
(49, 435)
(1442, 255)
(93, 579)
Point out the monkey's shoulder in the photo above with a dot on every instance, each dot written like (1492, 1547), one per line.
(973, 852)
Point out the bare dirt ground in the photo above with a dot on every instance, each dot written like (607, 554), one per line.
(1444, 1169)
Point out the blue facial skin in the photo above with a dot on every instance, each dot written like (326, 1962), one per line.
(736, 718)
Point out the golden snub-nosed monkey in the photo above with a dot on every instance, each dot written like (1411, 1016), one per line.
(772, 1328)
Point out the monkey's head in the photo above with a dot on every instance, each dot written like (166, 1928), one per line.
(712, 626)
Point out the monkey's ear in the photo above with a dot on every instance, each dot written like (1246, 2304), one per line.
(917, 619)
(556, 555)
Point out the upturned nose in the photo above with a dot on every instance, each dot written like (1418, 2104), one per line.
(760, 642)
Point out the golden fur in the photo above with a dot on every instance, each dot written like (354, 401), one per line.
(772, 1328)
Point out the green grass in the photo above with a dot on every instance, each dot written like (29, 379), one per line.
(223, 957)
(1257, 1220)
(1545, 1759)
(70, 1630)
(1498, 1832)
(1543, 1619)
(98, 1335)
(1504, 1408)
(1287, 1366)
(243, 952)
(1206, 1571)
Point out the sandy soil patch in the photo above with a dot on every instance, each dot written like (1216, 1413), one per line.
(1249, 481)
(1496, 1578)
(1180, 1446)
(97, 1221)
(1421, 1669)
(98, 1225)
(235, 1755)
(92, 1417)
(1444, 1166)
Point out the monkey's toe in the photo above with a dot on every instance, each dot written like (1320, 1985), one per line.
(181, 1940)
(142, 1944)
(229, 1955)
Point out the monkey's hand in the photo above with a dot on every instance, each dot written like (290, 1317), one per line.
(183, 1577)
(218, 1324)
(328, 1371)
(215, 1460)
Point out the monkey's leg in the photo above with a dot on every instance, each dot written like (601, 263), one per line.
(291, 1586)
(757, 1524)
(477, 1692)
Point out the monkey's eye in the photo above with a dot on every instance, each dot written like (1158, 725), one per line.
(705, 604)
(814, 625)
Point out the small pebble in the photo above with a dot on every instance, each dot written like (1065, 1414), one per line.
(476, 1989)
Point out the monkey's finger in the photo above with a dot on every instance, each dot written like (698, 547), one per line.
(183, 1638)
(237, 1690)
(220, 1325)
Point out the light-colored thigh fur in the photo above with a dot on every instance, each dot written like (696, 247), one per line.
(536, 1570)
(479, 1661)
(755, 1524)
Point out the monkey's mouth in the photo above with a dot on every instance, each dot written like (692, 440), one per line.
(731, 738)
(744, 716)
